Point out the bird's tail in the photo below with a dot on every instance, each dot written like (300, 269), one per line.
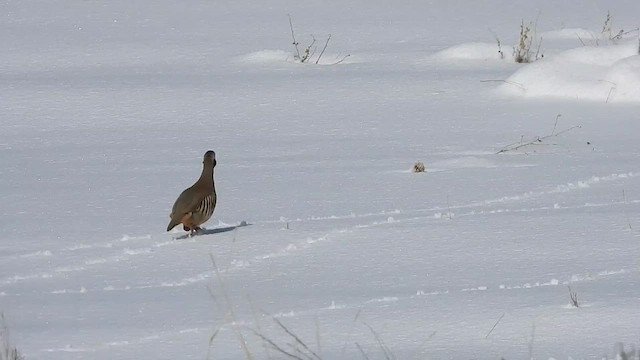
(173, 223)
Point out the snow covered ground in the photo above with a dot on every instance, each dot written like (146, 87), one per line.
(108, 107)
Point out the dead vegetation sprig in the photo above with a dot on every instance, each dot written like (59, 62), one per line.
(296, 348)
(624, 201)
(608, 35)
(538, 140)
(522, 53)
(7, 350)
(494, 325)
(230, 315)
(499, 43)
(310, 50)
(573, 298)
(388, 355)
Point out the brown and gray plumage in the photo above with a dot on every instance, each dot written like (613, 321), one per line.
(195, 205)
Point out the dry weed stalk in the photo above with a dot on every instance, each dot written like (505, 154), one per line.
(7, 350)
(573, 297)
(309, 51)
(538, 140)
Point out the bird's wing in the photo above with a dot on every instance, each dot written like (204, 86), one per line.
(187, 202)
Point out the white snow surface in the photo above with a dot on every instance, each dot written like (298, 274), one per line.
(108, 107)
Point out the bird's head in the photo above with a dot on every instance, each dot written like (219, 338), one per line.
(210, 158)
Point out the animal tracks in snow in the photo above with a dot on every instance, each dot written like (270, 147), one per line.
(571, 280)
(127, 248)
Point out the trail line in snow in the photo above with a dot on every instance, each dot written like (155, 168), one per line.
(282, 251)
(126, 253)
(557, 189)
(359, 305)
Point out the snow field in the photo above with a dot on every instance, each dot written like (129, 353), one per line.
(107, 109)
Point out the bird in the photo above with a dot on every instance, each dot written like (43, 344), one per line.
(195, 205)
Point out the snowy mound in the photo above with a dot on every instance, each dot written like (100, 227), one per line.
(606, 73)
(470, 51)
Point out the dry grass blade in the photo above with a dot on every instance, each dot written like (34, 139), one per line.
(538, 140)
(385, 350)
(624, 201)
(296, 338)
(350, 333)
(215, 334)
(7, 350)
(293, 36)
(573, 297)
(276, 347)
(364, 354)
(234, 323)
(323, 49)
(494, 326)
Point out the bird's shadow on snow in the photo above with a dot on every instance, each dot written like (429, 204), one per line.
(217, 230)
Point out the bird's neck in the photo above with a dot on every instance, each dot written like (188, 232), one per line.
(206, 178)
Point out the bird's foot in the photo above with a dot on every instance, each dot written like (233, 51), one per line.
(195, 231)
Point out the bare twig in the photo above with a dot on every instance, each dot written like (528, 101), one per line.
(505, 81)
(537, 56)
(609, 94)
(293, 36)
(308, 52)
(307, 55)
(573, 296)
(494, 326)
(556, 124)
(323, 49)
(499, 43)
(607, 25)
(538, 140)
(341, 60)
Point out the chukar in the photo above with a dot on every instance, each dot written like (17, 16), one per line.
(195, 205)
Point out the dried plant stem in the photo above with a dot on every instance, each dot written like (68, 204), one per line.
(624, 200)
(537, 140)
(573, 297)
(494, 326)
(296, 338)
(276, 347)
(293, 36)
(364, 354)
(230, 310)
(323, 49)
(388, 355)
